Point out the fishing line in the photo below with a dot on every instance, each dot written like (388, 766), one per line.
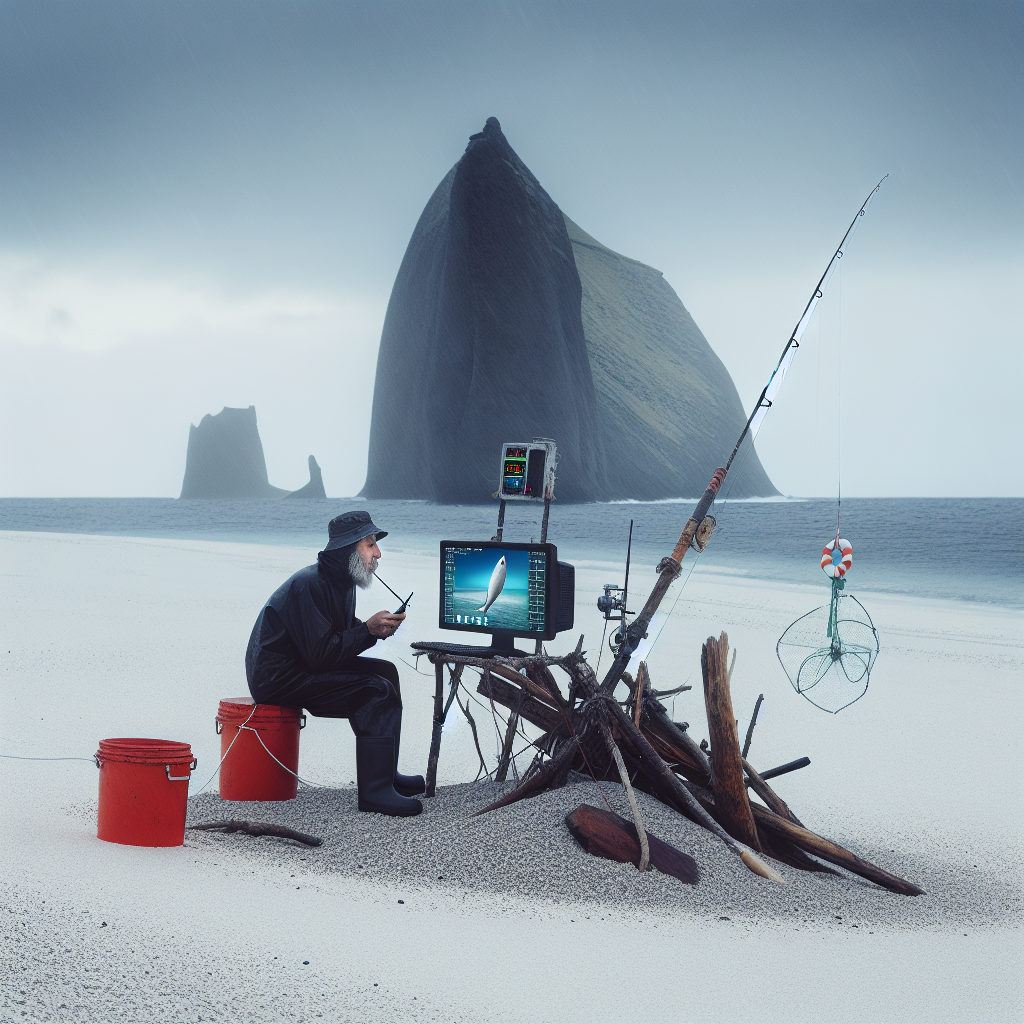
(839, 404)
(600, 653)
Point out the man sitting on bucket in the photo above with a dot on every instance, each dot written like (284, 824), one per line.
(304, 652)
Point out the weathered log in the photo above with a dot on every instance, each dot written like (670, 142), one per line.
(534, 711)
(830, 851)
(727, 771)
(810, 842)
(658, 722)
(782, 850)
(606, 834)
(258, 828)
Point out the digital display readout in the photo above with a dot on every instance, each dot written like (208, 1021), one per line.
(515, 468)
(494, 588)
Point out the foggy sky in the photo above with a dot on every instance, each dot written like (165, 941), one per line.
(205, 204)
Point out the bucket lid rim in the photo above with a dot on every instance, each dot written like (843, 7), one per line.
(144, 750)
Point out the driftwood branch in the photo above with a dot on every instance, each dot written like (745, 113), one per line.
(832, 852)
(670, 693)
(258, 828)
(638, 693)
(768, 795)
(750, 728)
(550, 775)
(476, 738)
(645, 850)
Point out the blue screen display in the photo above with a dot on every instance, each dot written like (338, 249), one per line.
(494, 588)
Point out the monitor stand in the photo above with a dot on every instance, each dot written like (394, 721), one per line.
(504, 644)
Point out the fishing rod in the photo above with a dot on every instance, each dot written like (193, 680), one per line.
(670, 567)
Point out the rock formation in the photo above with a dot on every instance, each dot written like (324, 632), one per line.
(225, 460)
(507, 321)
(315, 487)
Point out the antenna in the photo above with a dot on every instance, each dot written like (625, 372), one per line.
(625, 585)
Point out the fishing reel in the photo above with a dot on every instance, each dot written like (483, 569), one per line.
(612, 604)
(612, 600)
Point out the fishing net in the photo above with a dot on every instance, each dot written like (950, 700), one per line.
(829, 652)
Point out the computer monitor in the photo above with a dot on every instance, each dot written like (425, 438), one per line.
(507, 590)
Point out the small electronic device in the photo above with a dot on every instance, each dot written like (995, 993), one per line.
(403, 605)
(505, 589)
(527, 470)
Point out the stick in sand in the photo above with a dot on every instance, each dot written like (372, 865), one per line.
(645, 850)
(257, 828)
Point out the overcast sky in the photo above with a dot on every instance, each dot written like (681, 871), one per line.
(206, 203)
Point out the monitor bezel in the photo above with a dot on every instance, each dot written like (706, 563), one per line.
(550, 590)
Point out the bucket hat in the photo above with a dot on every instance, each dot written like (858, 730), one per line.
(350, 528)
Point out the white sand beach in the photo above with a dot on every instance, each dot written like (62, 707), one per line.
(503, 917)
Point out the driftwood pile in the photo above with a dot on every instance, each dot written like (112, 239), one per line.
(635, 742)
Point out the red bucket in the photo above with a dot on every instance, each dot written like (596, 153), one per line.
(143, 791)
(249, 771)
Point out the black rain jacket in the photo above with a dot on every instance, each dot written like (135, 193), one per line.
(308, 627)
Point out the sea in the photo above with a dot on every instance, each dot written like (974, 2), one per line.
(962, 549)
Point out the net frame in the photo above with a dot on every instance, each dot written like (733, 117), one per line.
(826, 674)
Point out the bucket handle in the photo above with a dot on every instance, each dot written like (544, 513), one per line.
(181, 778)
(218, 725)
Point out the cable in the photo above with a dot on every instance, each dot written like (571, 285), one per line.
(228, 751)
(15, 757)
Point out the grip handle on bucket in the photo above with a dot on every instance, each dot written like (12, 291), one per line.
(218, 725)
(181, 778)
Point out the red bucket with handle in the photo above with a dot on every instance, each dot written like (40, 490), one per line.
(143, 791)
(259, 747)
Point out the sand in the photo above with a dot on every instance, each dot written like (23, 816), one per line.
(501, 917)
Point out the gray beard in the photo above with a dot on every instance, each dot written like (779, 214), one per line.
(361, 573)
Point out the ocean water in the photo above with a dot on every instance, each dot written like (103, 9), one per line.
(969, 549)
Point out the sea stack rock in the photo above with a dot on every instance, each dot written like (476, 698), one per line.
(483, 341)
(507, 321)
(315, 487)
(225, 458)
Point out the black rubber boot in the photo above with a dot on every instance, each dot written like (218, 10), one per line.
(375, 773)
(407, 785)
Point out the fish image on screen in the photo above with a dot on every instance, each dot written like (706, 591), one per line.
(491, 590)
(497, 584)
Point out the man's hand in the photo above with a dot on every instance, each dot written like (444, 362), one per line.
(384, 624)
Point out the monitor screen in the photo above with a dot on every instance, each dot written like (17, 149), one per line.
(490, 587)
